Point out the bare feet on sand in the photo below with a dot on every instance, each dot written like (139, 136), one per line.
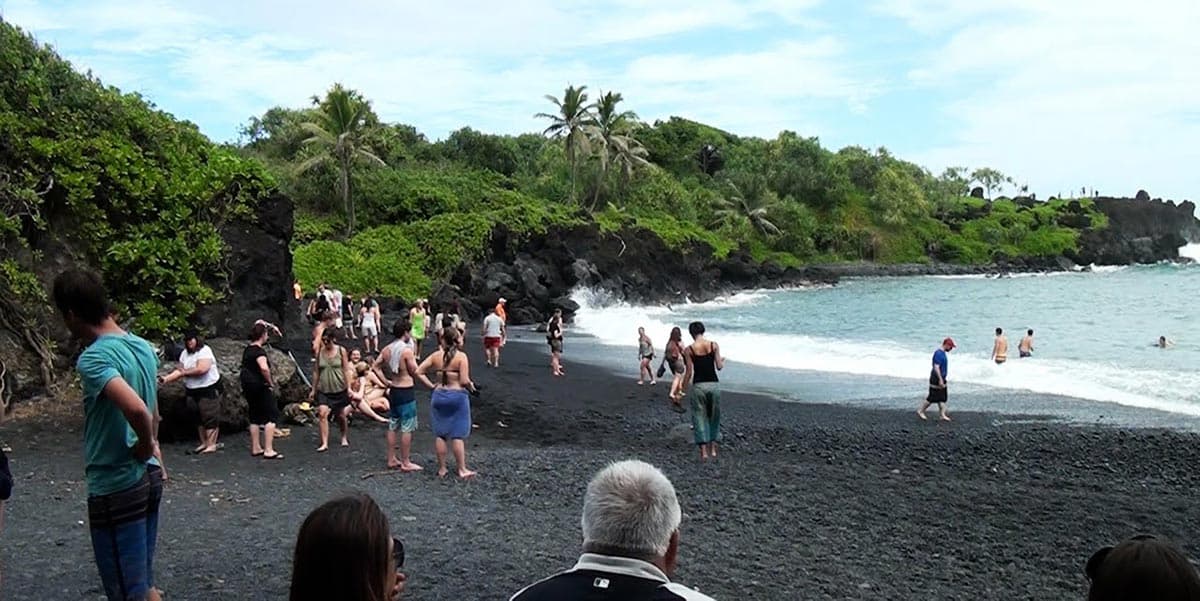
(410, 467)
(465, 474)
(442, 472)
(345, 442)
(921, 414)
(323, 448)
(945, 418)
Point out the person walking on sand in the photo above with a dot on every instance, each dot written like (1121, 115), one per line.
(554, 337)
(703, 360)
(493, 336)
(502, 312)
(673, 355)
(402, 400)
(203, 388)
(1000, 347)
(122, 463)
(937, 381)
(258, 388)
(450, 404)
(369, 319)
(645, 356)
(1025, 348)
(348, 317)
(416, 319)
(331, 373)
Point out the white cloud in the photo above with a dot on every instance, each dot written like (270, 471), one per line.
(442, 66)
(1069, 93)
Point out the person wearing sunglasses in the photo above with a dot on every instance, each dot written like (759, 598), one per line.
(1140, 569)
(345, 550)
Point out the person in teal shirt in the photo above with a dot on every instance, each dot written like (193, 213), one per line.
(118, 372)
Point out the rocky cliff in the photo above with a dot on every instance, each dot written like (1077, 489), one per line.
(1139, 231)
(258, 271)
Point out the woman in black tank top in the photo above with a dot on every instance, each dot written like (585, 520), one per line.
(703, 361)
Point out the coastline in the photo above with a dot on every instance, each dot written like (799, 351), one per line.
(806, 501)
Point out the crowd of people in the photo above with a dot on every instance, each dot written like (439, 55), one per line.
(693, 368)
(345, 548)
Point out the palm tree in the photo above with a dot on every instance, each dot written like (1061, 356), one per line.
(336, 132)
(569, 122)
(749, 205)
(610, 131)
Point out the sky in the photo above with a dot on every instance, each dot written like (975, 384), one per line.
(1059, 94)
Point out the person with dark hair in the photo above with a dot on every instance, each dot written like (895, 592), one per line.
(673, 356)
(259, 389)
(322, 304)
(117, 372)
(450, 404)
(324, 323)
(369, 322)
(702, 360)
(345, 550)
(554, 336)
(402, 400)
(202, 385)
(938, 391)
(364, 395)
(331, 374)
(645, 356)
(1025, 348)
(1142, 568)
(348, 315)
(1000, 348)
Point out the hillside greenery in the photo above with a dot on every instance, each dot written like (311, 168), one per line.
(696, 187)
(106, 179)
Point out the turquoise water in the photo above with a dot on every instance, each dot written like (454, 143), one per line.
(872, 339)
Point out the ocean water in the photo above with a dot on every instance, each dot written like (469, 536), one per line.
(869, 341)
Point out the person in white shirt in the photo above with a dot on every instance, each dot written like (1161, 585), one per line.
(335, 305)
(202, 384)
(493, 337)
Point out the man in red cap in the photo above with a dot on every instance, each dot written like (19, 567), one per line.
(937, 381)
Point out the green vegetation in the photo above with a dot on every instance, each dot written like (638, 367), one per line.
(695, 187)
(104, 177)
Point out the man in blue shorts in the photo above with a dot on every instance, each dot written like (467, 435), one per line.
(118, 374)
(937, 381)
(402, 402)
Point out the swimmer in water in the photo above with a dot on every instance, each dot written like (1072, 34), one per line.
(1026, 347)
(1000, 348)
(1164, 343)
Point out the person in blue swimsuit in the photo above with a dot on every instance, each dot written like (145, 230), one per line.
(450, 404)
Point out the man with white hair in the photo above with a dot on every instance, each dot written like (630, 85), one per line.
(630, 541)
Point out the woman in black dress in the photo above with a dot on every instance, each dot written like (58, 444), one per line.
(258, 388)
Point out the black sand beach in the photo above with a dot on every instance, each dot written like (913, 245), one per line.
(806, 501)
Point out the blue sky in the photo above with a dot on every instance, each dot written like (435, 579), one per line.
(1063, 94)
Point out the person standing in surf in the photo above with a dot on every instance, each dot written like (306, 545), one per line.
(402, 401)
(937, 381)
(1025, 348)
(450, 404)
(554, 337)
(1000, 347)
(702, 360)
(416, 317)
(645, 356)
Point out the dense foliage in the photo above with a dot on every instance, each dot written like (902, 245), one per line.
(115, 183)
(696, 187)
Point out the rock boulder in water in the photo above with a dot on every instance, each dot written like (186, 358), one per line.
(179, 420)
